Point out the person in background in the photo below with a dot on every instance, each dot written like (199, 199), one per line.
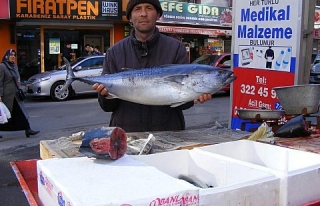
(145, 47)
(96, 51)
(8, 90)
(91, 51)
(86, 51)
(67, 51)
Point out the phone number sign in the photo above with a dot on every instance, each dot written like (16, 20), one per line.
(253, 89)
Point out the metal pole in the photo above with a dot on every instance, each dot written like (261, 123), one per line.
(306, 42)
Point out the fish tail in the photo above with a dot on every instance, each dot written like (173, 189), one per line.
(70, 75)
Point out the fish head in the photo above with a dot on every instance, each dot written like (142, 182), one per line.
(226, 76)
(217, 77)
(209, 79)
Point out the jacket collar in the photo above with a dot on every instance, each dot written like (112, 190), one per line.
(149, 43)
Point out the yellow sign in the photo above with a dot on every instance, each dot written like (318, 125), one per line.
(54, 45)
(57, 9)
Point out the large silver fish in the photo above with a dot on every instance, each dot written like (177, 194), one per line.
(165, 85)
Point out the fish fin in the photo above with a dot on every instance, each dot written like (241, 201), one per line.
(111, 96)
(176, 78)
(177, 104)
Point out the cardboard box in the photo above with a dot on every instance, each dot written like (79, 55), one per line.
(299, 171)
(126, 181)
(232, 183)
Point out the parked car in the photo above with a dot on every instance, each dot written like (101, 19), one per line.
(315, 74)
(217, 60)
(315, 59)
(50, 83)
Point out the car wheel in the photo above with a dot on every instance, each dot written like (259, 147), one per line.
(55, 92)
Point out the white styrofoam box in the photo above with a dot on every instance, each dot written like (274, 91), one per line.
(126, 181)
(299, 171)
(233, 183)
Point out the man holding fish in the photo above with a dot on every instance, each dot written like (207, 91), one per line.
(146, 47)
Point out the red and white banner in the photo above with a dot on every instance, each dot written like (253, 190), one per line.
(189, 30)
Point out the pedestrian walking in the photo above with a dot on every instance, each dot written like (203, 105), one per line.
(9, 85)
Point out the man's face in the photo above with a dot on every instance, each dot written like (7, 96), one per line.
(144, 17)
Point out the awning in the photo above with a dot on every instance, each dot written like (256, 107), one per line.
(190, 30)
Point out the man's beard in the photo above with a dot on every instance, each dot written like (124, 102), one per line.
(145, 31)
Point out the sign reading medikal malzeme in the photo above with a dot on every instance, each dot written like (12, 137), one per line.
(265, 49)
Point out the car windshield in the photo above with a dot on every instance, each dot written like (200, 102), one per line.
(206, 59)
(63, 67)
(315, 58)
(315, 68)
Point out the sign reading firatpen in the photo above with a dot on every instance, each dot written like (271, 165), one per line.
(71, 9)
(266, 46)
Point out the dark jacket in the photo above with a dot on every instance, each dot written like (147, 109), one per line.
(85, 53)
(131, 53)
(67, 53)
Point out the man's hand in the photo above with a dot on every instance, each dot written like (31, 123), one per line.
(100, 88)
(202, 98)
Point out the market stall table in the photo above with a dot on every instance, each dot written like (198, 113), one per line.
(65, 147)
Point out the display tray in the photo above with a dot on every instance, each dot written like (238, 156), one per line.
(26, 173)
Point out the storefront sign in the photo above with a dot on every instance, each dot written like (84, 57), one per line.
(4, 11)
(71, 9)
(266, 37)
(316, 33)
(189, 30)
(126, 30)
(195, 14)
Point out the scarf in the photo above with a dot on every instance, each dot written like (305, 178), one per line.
(6, 56)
